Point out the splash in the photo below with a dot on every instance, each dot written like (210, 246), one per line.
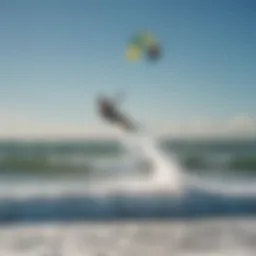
(166, 175)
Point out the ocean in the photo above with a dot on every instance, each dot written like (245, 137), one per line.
(51, 192)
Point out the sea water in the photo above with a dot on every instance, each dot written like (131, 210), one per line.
(100, 180)
(64, 202)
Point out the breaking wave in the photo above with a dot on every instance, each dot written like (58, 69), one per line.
(164, 190)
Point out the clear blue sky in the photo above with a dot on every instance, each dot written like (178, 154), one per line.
(56, 55)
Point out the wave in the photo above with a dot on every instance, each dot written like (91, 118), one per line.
(145, 197)
(224, 162)
(42, 165)
(64, 164)
(59, 205)
(228, 155)
(193, 204)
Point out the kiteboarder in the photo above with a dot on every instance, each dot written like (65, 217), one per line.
(108, 109)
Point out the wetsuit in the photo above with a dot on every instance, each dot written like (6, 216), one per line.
(109, 112)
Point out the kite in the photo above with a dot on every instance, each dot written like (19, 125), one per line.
(143, 44)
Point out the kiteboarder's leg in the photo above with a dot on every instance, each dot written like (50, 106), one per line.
(119, 119)
(125, 123)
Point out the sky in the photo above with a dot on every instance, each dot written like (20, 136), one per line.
(57, 56)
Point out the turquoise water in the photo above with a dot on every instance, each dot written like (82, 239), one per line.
(79, 156)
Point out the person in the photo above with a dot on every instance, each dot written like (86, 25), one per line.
(108, 109)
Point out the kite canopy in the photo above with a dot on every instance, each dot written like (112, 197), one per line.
(133, 52)
(143, 44)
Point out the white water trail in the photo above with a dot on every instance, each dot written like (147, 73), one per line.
(166, 174)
